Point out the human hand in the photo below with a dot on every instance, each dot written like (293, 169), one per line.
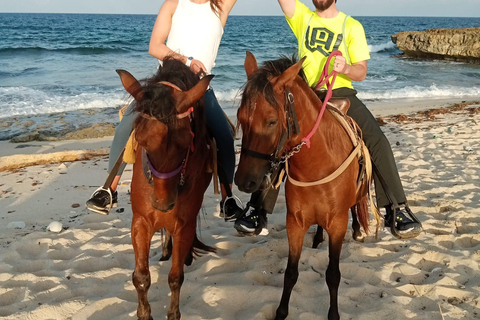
(197, 67)
(340, 65)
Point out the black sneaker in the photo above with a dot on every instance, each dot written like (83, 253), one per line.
(252, 222)
(229, 209)
(404, 226)
(102, 201)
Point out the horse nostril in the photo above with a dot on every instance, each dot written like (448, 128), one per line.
(251, 186)
(170, 207)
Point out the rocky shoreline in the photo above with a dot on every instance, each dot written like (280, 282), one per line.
(460, 44)
(74, 125)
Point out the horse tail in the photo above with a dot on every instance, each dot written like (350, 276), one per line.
(363, 215)
(199, 248)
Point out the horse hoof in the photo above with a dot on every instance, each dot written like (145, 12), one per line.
(359, 238)
(165, 258)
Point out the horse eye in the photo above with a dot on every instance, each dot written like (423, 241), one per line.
(272, 123)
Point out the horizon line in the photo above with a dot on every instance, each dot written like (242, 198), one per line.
(238, 15)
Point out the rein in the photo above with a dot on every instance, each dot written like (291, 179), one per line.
(324, 79)
(292, 122)
(293, 127)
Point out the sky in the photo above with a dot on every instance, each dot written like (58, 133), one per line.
(427, 8)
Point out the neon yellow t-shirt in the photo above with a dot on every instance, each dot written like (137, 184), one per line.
(318, 37)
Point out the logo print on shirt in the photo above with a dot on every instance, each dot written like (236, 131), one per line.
(321, 39)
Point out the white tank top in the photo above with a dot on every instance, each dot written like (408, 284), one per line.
(196, 32)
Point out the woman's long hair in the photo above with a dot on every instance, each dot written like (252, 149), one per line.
(215, 5)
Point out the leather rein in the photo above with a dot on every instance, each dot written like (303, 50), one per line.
(293, 128)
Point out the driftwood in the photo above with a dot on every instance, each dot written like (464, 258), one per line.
(25, 160)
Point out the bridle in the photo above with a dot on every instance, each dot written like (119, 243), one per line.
(292, 126)
(152, 171)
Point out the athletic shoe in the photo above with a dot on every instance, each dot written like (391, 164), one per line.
(252, 222)
(102, 201)
(405, 226)
(229, 209)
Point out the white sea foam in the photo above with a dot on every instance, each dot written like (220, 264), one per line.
(19, 101)
(433, 91)
(232, 95)
(23, 101)
(382, 47)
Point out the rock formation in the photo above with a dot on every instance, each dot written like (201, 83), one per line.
(451, 44)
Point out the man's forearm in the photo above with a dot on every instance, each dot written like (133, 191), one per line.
(356, 72)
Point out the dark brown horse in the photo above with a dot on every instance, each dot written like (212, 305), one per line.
(170, 172)
(265, 117)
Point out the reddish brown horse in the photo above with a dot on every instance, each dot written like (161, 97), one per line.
(265, 116)
(170, 172)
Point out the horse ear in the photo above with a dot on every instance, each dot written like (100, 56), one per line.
(250, 64)
(131, 84)
(288, 75)
(186, 99)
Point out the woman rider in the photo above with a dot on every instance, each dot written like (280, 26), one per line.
(190, 31)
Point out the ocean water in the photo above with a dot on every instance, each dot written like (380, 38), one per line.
(65, 63)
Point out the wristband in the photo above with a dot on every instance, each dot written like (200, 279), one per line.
(189, 61)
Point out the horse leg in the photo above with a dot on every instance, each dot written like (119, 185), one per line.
(183, 241)
(318, 238)
(166, 247)
(356, 233)
(295, 242)
(141, 239)
(336, 236)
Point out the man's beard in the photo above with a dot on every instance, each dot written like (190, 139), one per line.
(322, 5)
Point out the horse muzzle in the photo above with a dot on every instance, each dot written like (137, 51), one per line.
(163, 205)
(248, 182)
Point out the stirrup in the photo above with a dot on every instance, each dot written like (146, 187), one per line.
(234, 197)
(111, 200)
(409, 213)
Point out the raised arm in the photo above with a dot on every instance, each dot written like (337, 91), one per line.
(226, 6)
(160, 32)
(288, 7)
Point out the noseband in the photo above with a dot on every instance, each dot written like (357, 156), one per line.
(293, 127)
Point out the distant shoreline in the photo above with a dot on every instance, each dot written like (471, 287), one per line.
(100, 123)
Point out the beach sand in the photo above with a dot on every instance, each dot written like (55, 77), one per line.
(84, 272)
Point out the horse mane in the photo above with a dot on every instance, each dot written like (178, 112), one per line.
(259, 82)
(157, 100)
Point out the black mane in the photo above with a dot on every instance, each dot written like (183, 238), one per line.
(157, 98)
(260, 80)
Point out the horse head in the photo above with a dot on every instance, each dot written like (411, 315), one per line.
(262, 118)
(163, 130)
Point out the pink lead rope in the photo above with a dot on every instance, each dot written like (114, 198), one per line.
(324, 78)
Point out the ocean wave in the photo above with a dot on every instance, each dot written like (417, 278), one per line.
(420, 92)
(231, 95)
(380, 79)
(388, 46)
(20, 101)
